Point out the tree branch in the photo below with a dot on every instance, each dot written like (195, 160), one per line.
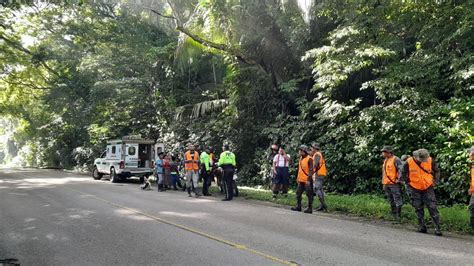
(219, 46)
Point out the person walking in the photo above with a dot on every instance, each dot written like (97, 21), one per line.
(471, 189)
(304, 180)
(159, 171)
(228, 164)
(319, 174)
(421, 174)
(191, 168)
(206, 171)
(391, 181)
(281, 173)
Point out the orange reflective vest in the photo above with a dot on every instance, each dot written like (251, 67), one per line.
(320, 169)
(472, 179)
(191, 163)
(303, 170)
(420, 176)
(390, 171)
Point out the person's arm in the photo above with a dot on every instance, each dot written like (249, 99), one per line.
(234, 163)
(310, 167)
(403, 173)
(398, 165)
(316, 160)
(436, 172)
(221, 160)
(275, 164)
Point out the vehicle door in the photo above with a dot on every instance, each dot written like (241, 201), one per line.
(101, 163)
(131, 155)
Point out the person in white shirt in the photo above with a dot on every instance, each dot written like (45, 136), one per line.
(281, 179)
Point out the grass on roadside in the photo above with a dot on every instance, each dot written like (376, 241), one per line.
(453, 219)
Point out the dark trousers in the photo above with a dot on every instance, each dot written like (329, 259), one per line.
(394, 195)
(206, 181)
(229, 183)
(471, 206)
(302, 187)
(425, 198)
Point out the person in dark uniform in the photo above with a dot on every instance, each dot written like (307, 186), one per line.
(228, 164)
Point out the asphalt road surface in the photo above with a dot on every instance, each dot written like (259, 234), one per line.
(51, 217)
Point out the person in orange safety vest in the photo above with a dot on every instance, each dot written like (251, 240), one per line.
(304, 179)
(391, 181)
(191, 168)
(471, 188)
(421, 174)
(319, 174)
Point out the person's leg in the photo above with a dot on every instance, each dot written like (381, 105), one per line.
(310, 194)
(396, 192)
(285, 181)
(299, 192)
(189, 181)
(471, 208)
(224, 186)
(174, 180)
(389, 196)
(318, 187)
(196, 183)
(205, 182)
(429, 199)
(417, 202)
(276, 182)
(230, 183)
(160, 181)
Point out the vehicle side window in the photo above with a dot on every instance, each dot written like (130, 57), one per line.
(113, 149)
(103, 154)
(131, 151)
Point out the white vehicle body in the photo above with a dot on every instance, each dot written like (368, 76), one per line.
(127, 157)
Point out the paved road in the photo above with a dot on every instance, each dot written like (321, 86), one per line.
(55, 218)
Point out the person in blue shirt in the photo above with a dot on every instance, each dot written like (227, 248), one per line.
(159, 171)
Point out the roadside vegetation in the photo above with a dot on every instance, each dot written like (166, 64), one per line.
(453, 218)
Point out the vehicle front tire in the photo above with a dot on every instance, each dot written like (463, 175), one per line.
(113, 175)
(95, 174)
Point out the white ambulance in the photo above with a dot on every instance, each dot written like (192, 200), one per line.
(127, 157)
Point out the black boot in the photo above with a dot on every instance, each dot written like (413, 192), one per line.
(322, 207)
(174, 187)
(472, 223)
(398, 213)
(421, 226)
(160, 187)
(189, 191)
(437, 226)
(298, 206)
(394, 211)
(196, 193)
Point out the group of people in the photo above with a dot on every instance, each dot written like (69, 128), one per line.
(420, 173)
(310, 176)
(197, 165)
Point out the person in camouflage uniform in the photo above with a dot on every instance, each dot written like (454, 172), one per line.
(421, 173)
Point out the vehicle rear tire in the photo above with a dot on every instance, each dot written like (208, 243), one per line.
(95, 174)
(113, 175)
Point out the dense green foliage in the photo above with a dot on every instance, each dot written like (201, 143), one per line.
(350, 75)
